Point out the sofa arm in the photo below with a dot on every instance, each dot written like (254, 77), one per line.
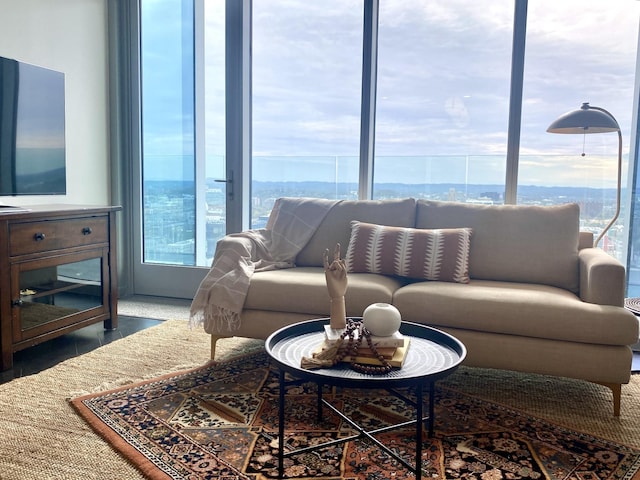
(602, 278)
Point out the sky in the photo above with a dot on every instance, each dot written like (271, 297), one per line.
(443, 87)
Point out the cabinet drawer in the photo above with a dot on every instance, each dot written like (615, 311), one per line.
(33, 237)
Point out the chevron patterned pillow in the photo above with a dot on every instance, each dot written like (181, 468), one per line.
(439, 254)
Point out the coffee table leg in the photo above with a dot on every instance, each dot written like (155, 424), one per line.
(281, 426)
(419, 427)
(432, 389)
(320, 387)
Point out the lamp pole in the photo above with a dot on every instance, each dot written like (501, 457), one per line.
(586, 106)
(615, 217)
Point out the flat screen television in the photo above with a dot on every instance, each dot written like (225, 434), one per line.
(32, 130)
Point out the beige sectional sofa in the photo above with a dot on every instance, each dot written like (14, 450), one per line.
(539, 297)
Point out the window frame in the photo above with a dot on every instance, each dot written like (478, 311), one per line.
(238, 76)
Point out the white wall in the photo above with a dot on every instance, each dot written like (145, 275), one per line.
(69, 36)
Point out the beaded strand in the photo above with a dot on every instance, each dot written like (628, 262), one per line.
(353, 345)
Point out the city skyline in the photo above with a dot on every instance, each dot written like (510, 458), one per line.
(597, 171)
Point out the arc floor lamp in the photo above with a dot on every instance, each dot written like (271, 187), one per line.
(585, 120)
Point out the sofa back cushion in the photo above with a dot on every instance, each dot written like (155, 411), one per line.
(518, 243)
(336, 226)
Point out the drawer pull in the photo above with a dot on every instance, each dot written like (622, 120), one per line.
(86, 231)
(39, 237)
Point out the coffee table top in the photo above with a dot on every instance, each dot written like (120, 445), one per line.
(432, 354)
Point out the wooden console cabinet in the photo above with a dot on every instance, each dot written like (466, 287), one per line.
(58, 273)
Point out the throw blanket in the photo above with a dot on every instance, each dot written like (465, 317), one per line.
(220, 297)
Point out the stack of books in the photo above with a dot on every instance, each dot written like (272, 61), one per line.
(393, 348)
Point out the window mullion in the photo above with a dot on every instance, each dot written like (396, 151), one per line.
(238, 113)
(200, 132)
(515, 100)
(368, 111)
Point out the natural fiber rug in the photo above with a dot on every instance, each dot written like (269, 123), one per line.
(42, 436)
(221, 421)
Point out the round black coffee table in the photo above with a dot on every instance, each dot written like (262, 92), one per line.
(432, 355)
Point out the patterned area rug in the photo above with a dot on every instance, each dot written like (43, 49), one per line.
(221, 421)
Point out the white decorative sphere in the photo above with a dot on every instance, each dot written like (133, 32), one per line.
(381, 319)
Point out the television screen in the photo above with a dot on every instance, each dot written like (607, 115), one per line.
(32, 130)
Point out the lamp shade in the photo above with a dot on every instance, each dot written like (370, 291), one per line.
(586, 119)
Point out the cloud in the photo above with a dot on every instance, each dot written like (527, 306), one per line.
(443, 77)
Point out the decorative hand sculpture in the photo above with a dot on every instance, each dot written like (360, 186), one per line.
(336, 275)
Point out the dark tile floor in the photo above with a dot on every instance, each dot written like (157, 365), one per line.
(45, 355)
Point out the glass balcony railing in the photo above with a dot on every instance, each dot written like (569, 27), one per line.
(169, 216)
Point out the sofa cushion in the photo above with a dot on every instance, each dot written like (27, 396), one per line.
(520, 309)
(304, 290)
(440, 254)
(336, 226)
(518, 243)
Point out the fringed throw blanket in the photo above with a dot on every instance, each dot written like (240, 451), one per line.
(220, 297)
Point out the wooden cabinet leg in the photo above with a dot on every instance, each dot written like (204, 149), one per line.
(6, 360)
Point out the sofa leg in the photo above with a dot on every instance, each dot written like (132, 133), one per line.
(214, 339)
(616, 389)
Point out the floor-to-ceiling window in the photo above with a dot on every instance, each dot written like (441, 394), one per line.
(306, 79)
(455, 98)
(182, 174)
(211, 134)
(168, 137)
(442, 99)
(578, 52)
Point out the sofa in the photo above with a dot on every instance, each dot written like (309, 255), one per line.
(519, 285)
